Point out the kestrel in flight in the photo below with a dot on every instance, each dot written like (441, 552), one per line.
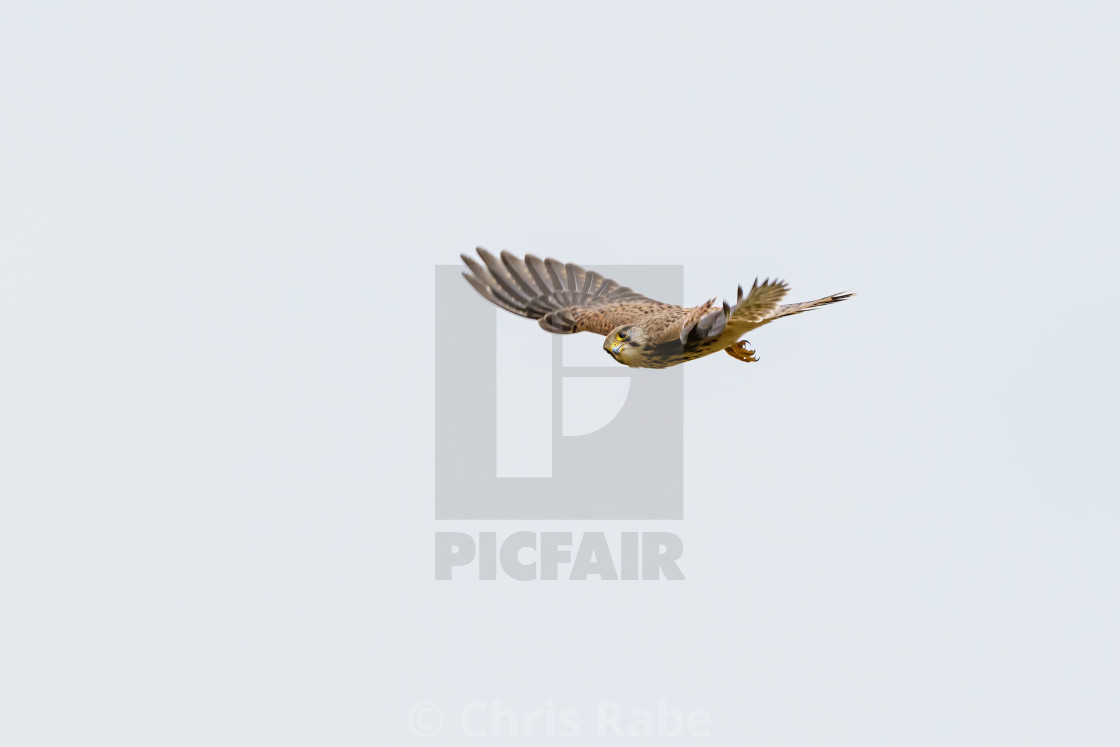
(640, 332)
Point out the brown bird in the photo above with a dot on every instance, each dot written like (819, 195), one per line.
(640, 332)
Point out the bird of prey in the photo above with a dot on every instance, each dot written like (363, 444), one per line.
(640, 332)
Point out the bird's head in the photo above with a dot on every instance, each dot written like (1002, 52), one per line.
(624, 344)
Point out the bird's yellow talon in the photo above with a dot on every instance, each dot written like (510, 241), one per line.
(740, 351)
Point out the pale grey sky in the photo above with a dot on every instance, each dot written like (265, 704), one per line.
(219, 224)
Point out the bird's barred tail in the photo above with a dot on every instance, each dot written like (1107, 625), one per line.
(796, 308)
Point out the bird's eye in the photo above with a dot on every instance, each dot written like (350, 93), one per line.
(622, 334)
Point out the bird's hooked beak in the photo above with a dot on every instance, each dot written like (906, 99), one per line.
(614, 347)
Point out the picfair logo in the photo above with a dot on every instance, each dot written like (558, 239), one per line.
(531, 425)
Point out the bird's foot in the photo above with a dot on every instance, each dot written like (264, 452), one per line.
(740, 351)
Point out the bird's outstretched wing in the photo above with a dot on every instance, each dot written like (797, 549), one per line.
(564, 298)
(751, 310)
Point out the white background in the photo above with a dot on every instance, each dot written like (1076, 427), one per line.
(218, 227)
